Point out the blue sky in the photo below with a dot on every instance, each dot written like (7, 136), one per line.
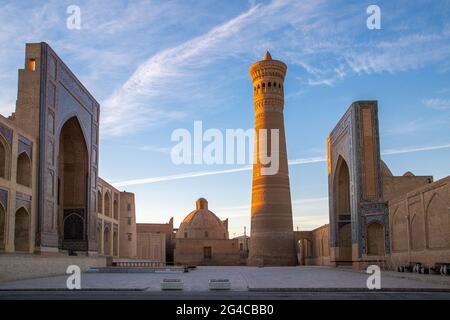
(156, 66)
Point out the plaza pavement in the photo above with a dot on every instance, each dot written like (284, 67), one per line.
(243, 279)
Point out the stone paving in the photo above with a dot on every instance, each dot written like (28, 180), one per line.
(242, 279)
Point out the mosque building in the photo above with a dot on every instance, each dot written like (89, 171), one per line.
(52, 202)
(55, 209)
(376, 217)
(202, 239)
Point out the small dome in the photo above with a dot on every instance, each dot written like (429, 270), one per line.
(201, 203)
(202, 224)
(267, 56)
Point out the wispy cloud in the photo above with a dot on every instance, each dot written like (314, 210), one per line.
(165, 150)
(328, 42)
(405, 128)
(164, 69)
(155, 76)
(300, 161)
(403, 53)
(180, 74)
(206, 173)
(415, 149)
(436, 103)
(306, 160)
(178, 176)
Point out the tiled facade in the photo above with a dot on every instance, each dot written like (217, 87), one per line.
(376, 217)
(51, 199)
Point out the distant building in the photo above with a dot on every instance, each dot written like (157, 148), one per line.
(155, 241)
(243, 242)
(202, 239)
(313, 246)
(127, 226)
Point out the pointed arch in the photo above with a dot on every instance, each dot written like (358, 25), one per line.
(342, 210)
(116, 209)
(4, 158)
(99, 202)
(322, 247)
(74, 116)
(106, 241)
(107, 204)
(73, 227)
(99, 238)
(73, 168)
(23, 175)
(22, 230)
(342, 187)
(417, 233)
(375, 239)
(437, 223)
(115, 243)
(325, 241)
(399, 229)
(2, 227)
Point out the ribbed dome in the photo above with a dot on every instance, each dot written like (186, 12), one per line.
(202, 224)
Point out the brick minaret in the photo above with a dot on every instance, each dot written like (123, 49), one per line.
(272, 236)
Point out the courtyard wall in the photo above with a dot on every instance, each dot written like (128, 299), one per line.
(27, 266)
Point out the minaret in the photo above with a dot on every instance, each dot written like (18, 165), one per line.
(272, 235)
